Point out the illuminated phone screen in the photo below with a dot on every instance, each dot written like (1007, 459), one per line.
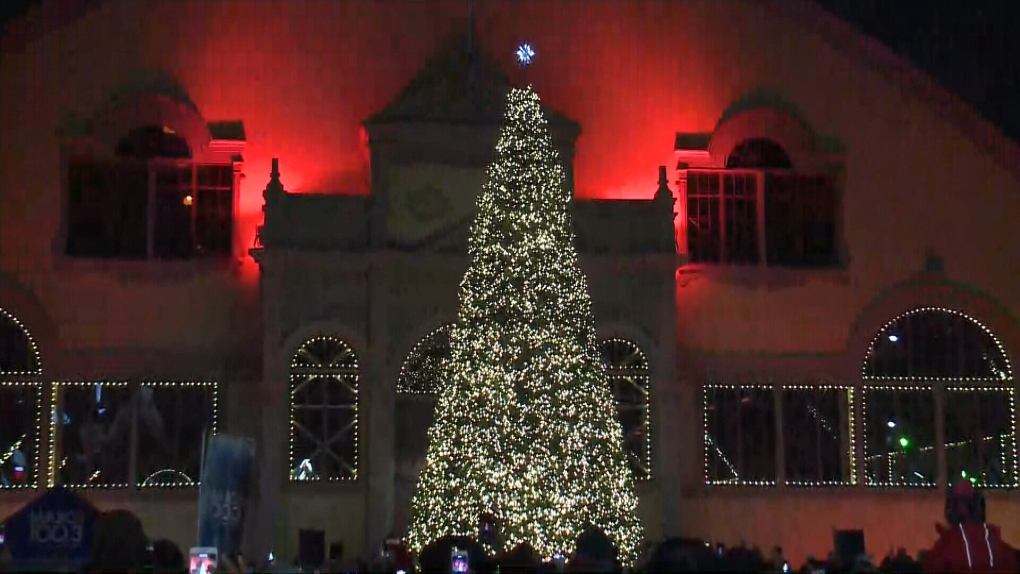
(203, 561)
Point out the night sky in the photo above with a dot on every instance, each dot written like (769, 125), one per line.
(966, 46)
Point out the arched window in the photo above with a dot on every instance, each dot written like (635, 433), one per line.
(758, 153)
(20, 404)
(152, 142)
(628, 371)
(152, 202)
(420, 375)
(324, 378)
(923, 355)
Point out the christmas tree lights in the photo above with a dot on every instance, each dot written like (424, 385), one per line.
(526, 426)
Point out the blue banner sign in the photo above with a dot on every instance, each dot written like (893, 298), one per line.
(57, 525)
(224, 492)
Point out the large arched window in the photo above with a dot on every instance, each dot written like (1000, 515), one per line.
(935, 371)
(628, 371)
(20, 404)
(151, 202)
(324, 377)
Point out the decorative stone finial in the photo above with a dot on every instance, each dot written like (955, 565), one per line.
(664, 193)
(274, 188)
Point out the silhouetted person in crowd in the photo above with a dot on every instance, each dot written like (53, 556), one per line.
(120, 545)
(167, 558)
(520, 560)
(900, 563)
(968, 543)
(679, 555)
(595, 552)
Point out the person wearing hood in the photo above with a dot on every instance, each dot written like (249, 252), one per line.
(968, 543)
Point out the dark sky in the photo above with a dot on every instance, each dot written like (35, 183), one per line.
(965, 44)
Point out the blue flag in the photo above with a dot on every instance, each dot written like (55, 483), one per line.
(224, 492)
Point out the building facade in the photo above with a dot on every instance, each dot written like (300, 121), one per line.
(808, 317)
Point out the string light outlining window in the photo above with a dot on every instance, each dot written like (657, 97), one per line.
(420, 373)
(21, 408)
(324, 378)
(19, 353)
(930, 350)
(628, 371)
(739, 422)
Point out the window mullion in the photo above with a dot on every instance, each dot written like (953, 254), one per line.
(723, 256)
(150, 232)
(780, 453)
(941, 469)
(760, 203)
(193, 208)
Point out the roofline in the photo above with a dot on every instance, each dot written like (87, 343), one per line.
(42, 19)
(853, 42)
(846, 38)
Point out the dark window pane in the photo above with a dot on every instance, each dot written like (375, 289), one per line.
(899, 435)
(215, 177)
(173, 421)
(704, 241)
(758, 153)
(800, 220)
(816, 436)
(151, 142)
(175, 199)
(324, 411)
(18, 353)
(741, 214)
(19, 434)
(214, 222)
(107, 210)
(937, 343)
(740, 435)
(980, 438)
(93, 423)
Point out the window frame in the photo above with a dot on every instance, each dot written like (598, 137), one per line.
(153, 166)
(133, 480)
(761, 232)
(33, 377)
(849, 458)
(939, 387)
(707, 442)
(353, 376)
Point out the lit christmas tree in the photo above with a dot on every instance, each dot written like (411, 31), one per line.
(526, 428)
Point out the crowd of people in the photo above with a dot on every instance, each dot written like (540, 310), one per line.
(965, 543)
